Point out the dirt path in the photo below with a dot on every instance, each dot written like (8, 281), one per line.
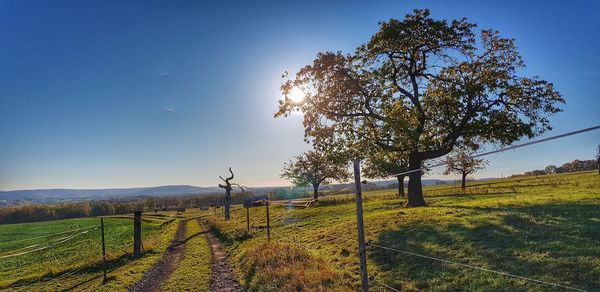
(221, 276)
(156, 276)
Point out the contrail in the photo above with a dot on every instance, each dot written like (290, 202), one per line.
(169, 109)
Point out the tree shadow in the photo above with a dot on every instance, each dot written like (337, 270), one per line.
(468, 195)
(181, 242)
(95, 270)
(555, 243)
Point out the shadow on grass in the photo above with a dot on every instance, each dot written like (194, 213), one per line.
(555, 243)
(94, 269)
(470, 195)
(177, 243)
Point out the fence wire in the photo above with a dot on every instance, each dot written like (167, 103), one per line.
(512, 147)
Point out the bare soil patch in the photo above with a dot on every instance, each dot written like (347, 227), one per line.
(156, 276)
(222, 278)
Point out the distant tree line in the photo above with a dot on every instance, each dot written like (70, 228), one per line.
(573, 166)
(35, 213)
(39, 212)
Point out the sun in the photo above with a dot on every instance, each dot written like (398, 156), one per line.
(296, 95)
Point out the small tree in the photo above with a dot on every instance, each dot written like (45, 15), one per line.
(315, 168)
(227, 186)
(550, 169)
(385, 164)
(461, 163)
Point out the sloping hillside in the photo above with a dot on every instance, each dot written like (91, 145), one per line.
(545, 228)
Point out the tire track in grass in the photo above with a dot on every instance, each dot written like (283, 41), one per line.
(221, 276)
(193, 272)
(156, 276)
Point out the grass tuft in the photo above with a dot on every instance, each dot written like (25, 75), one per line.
(285, 267)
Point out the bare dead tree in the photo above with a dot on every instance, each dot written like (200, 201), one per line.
(228, 188)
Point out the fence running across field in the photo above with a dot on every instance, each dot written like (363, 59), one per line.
(369, 244)
(68, 235)
(81, 260)
(438, 259)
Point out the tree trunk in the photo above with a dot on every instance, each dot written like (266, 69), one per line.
(227, 200)
(400, 185)
(463, 184)
(316, 191)
(415, 191)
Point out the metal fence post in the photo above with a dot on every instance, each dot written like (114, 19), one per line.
(360, 226)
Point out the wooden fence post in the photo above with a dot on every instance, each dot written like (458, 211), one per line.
(137, 233)
(103, 248)
(268, 223)
(248, 218)
(361, 231)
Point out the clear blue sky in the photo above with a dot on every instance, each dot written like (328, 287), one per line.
(82, 99)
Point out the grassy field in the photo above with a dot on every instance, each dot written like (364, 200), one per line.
(65, 254)
(193, 272)
(546, 228)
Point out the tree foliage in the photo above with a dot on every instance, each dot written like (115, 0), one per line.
(315, 168)
(421, 86)
(462, 163)
(382, 164)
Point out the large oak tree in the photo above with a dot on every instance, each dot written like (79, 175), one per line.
(421, 86)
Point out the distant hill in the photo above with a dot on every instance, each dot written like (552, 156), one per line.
(77, 194)
(54, 196)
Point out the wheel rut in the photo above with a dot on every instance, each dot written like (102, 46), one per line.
(222, 278)
(156, 276)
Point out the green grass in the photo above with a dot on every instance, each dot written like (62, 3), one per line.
(193, 272)
(546, 228)
(76, 249)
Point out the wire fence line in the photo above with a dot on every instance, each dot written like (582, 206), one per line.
(73, 254)
(384, 284)
(49, 244)
(54, 234)
(300, 244)
(447, 261)
(477, 268)
(512, 147)
(52, 244)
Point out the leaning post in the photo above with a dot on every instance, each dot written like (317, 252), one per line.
(360, 226)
